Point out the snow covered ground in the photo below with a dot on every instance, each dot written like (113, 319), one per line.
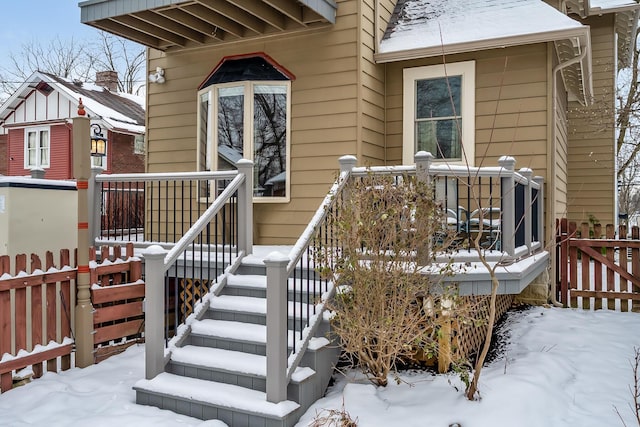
(559, 367)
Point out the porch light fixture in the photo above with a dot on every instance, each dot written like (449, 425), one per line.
(98, 141)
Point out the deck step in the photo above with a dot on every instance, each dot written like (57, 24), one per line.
(236, 336)
(255, 306)
(222, 360)
(237, 331)
(256, 286)
(206, 400)
(227, 366)
(217, 369)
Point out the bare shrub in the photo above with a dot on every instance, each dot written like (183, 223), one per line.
(634, 389)
(334, 418)
(385, 309)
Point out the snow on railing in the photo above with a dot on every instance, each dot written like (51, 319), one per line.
(498, 202)
(193, 259)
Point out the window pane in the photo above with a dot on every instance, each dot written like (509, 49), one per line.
(270, 140)
(440, 137)
(436, 98)
(31, 148)
(44, 148)
(230, 126)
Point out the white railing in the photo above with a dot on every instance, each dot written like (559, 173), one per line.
(158, 262)
(518, 231)
(516, 197)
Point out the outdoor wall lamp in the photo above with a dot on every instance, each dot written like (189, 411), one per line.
(98, 141)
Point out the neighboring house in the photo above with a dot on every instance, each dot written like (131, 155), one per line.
(3, 153)
(295, 85)
(37, 127)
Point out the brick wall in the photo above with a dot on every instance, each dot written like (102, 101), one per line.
(122, 158)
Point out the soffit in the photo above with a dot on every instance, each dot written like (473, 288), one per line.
(626, 21)
(180, 24)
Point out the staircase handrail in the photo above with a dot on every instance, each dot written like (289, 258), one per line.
(147, 177)
(305, 238)
(203, 221)
(158, 260)
(296, 254)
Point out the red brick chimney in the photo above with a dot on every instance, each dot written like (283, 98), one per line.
(107, 80)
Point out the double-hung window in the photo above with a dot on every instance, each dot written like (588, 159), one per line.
(248, 119)
(36, 148)
(439, 112)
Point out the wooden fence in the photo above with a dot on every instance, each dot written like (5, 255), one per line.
(37, 316)
(598, 270)
(117, 293)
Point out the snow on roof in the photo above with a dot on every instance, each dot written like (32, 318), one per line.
(118, 111)
(606, 5)
(440, 25)
(281, 177)
(230, 154)
(124, 112)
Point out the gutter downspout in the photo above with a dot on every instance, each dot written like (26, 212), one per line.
(551, 194)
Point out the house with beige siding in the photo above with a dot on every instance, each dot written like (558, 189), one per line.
(294, 86)
(342, 75)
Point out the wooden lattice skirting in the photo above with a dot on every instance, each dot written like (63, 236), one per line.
(466, 338)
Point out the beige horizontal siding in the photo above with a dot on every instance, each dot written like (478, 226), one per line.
(324, 111)
(371, 117)
(511, 105)
(591, 151)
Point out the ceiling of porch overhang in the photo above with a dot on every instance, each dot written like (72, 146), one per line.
(176, 24)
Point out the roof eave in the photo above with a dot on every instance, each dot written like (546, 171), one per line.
(496, 43)
(585, 86)
(20, 94)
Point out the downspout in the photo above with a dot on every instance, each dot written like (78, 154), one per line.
(551, 194)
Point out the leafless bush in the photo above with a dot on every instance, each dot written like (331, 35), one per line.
(385, 308)
(634, 389)
(334, 418)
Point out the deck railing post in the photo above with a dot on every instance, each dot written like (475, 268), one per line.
(95, 204)
(347, 163)
(507, 193)
(245, 207)
(154, 305)
(528, 214)
(540, 181)
(423, 161)
(277, 317)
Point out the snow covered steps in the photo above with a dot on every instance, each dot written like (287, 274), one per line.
(207, 400)
(217, 369)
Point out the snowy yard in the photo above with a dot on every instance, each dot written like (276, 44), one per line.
(559, 367)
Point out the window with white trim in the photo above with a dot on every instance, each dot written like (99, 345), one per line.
(36, 148)
(248, 119)
(439, 112)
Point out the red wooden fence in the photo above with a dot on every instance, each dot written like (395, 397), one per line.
(35, 315)
(599, 270)
(116, 294)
